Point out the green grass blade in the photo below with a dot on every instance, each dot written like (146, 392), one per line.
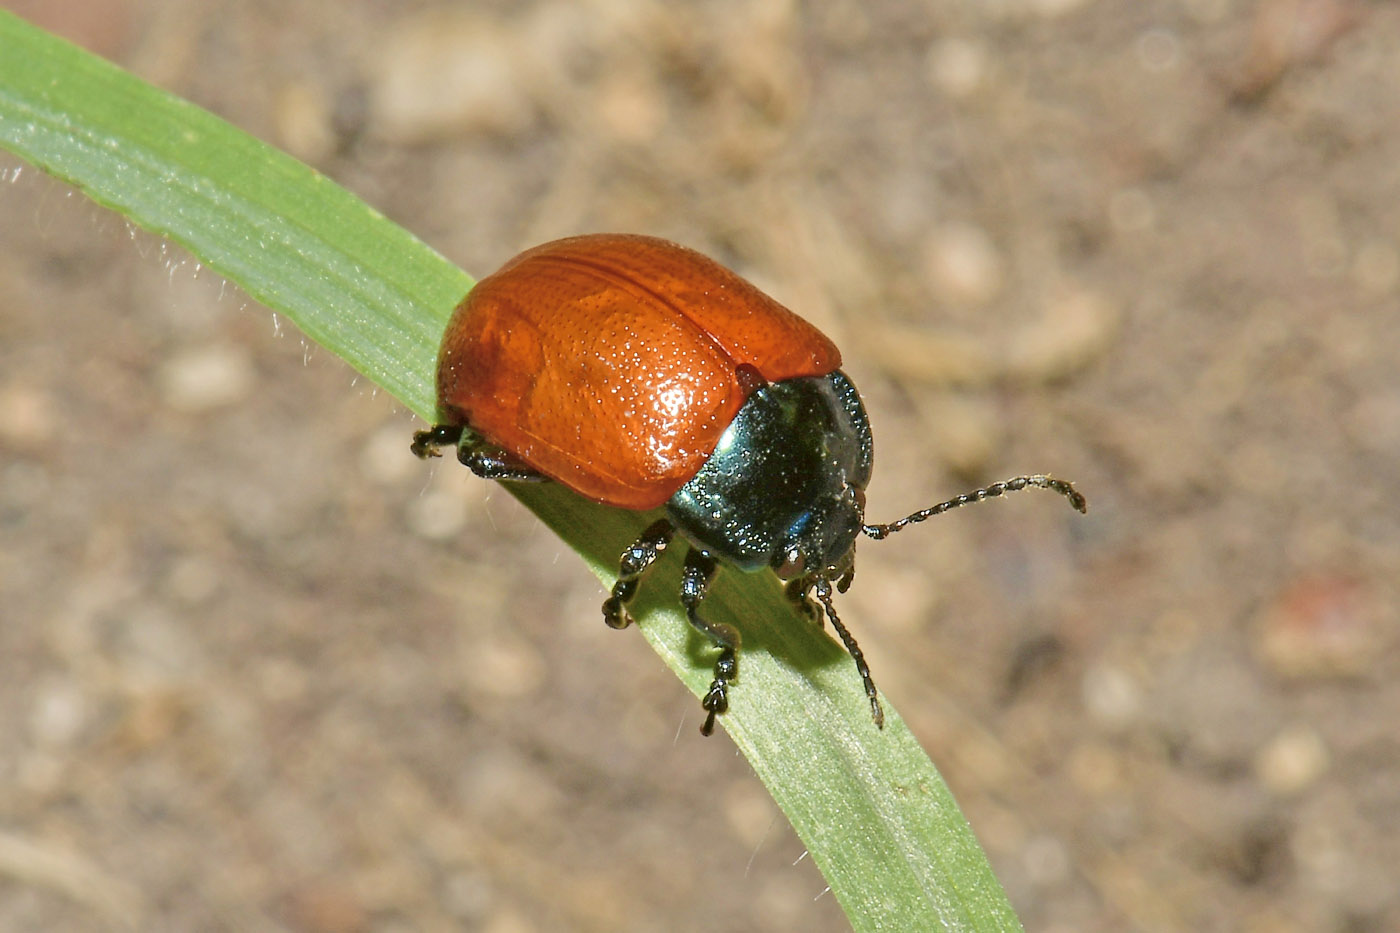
(869, 805)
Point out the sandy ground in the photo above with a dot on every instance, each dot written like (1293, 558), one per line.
(262, 670)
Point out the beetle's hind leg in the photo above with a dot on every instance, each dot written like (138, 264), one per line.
(700, 569)
(490, 462)
(474, 453)
(635, 561)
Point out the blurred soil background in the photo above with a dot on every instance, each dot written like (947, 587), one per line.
(260, 669)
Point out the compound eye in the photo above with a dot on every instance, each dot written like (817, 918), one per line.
(792, 565)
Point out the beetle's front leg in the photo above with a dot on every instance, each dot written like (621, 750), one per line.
(798, 592)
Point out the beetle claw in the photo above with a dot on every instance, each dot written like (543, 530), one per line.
(716, 702)
(614, 615)
(424, 447)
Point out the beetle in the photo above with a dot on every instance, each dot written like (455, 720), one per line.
(643, 375)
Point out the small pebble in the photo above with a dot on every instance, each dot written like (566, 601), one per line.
(206, 378)
(28, 417)
(506, 668)
(386, 459)
(631, 107)
(1047, 861)
(1111, 696)
(957, 66)
(931, 357)
(1292, 761)
(1077, 327)
(444, 75)
(749, 812)
(305, 124)
(58, 712)
(1158, 50)
(963, 264)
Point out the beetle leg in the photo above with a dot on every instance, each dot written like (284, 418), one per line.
(699, 571)
(426, 443)
(634, 562)
(474, 453)
(798, 591)
(490, 462)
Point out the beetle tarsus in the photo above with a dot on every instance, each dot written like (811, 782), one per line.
(716, 701)
(615, 606)
(426, 443)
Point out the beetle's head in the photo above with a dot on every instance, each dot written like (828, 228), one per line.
(822, 541)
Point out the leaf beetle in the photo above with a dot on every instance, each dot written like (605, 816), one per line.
(642, 374)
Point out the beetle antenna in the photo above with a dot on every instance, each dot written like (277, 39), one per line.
(823, 591)
(978, 495)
